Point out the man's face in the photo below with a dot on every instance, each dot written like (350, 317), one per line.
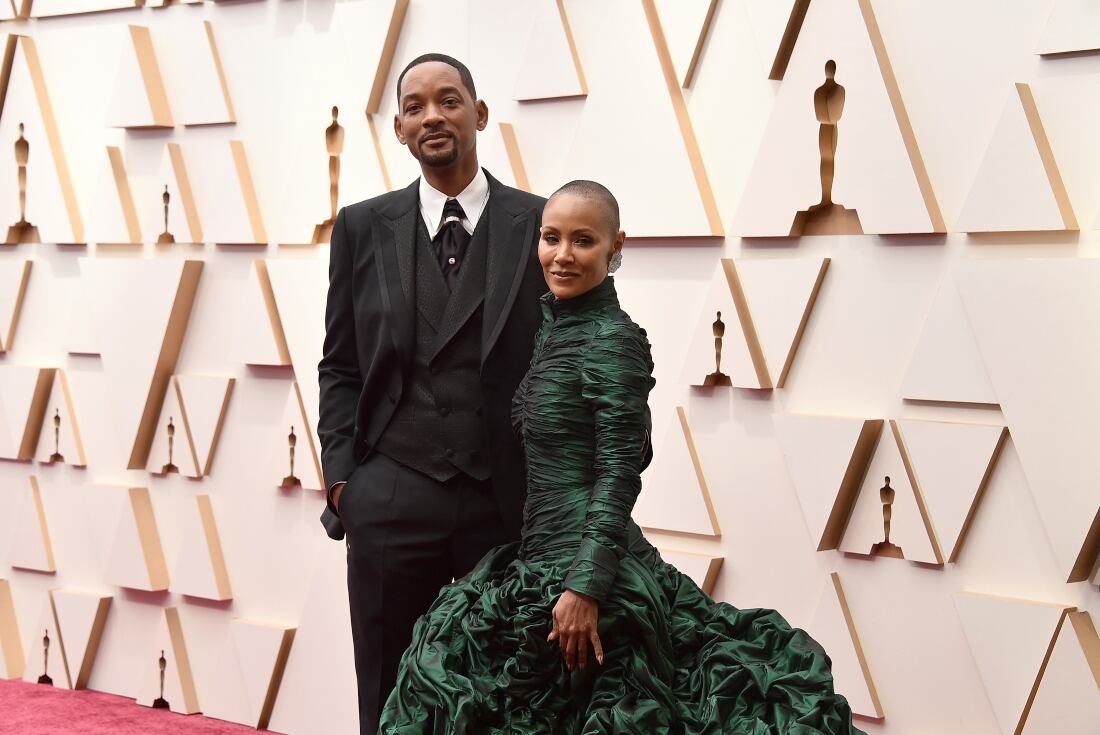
(438, 119)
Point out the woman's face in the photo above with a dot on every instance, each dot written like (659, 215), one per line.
(576, 244)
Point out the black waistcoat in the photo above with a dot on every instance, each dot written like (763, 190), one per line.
(437, 427)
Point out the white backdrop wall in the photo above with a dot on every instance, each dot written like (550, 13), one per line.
(1027, 300)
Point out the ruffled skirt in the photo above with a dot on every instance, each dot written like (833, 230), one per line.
(675, 661)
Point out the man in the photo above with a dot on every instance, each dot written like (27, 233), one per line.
(432, 311)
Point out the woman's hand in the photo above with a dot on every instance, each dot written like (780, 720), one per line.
(575, 618)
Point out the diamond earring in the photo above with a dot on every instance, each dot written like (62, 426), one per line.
(616, 262)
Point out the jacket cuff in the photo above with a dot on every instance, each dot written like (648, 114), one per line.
(593, 570)
(328, 496)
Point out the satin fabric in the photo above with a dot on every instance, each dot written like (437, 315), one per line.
(675, 660)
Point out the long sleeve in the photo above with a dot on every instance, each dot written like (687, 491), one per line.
(616, 380)
(338, 372)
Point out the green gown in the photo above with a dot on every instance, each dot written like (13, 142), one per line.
(675, 661)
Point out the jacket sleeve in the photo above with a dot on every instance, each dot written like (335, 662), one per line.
(616, 380)
(339, 373)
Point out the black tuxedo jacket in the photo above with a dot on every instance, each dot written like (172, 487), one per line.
(370, 325)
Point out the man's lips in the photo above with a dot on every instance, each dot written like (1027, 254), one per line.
(435, 138)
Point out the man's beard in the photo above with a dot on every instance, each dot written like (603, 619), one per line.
(439, 159)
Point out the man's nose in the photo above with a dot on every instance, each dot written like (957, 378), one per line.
(433, 115)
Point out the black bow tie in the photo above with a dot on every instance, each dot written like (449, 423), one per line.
(451, 241)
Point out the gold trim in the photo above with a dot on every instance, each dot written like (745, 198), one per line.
(1046, 153)
(515, 157)
(151, 78)
(857, 645)
(183, 185)
(174, 333)
(687, 131)
(7, 337)
(704, 31)
(248, 192)
(221, 71)
(385, 59)
(125, 196)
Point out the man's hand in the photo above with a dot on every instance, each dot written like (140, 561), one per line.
(337, 491)
(575, 618)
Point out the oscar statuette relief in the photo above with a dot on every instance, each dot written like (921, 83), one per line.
(718, 377)
(827, 217)
(22, 231)
(160, 702)
(884, 547)
(290, 481)
(334, 142)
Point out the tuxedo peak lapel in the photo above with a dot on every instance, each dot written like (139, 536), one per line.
(395, 224)
(511, 229)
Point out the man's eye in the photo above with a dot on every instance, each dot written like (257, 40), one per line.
(412, 109)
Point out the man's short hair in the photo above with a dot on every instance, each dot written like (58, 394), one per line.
(595, 191)
(463, 72)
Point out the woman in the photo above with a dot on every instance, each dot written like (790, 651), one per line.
(581, 627)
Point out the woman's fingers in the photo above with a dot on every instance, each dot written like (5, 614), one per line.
(594, 638)
(568, 649)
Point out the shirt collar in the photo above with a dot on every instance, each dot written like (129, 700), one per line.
(472, 199)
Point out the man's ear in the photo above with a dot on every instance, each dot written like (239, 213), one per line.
(482, 114)
(397, 129)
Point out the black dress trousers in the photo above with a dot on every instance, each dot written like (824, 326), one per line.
(407, 536)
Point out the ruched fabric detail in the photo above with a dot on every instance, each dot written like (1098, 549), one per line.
(675, 661)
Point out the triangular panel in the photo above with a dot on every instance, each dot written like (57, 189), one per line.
(114, 219)
(631, 77)
(30, 545)
(139, 99)
(200, 569)
(183, 222)
(137, 558)
(668, 501)
(909, 525)
(952, 463)
(299, 288)
(262, 651)
(144, 328)
(225, 193)
(295, 460)
(1067, 697)
(195, 407)
(835, 629)
(51, 203)
(193, 74)
(60, 439)
(11, 643)
(45, 654)
(779, 294)
(14, 277)
(23, 395)
(947, 364)
(81, 617)
(1009, 639)
(262, 339)
(686, 24)
(878, 170)
(1018, 186)
(550, 67)
(827, 457)
(1073, 27)
(718, 355)
(178, 688)
(1044, 370)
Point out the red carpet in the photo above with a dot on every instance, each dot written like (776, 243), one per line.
(34, 709)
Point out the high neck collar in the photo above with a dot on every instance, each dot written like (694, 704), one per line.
(591, 300)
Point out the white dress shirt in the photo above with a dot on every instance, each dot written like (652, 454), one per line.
(472, 199)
